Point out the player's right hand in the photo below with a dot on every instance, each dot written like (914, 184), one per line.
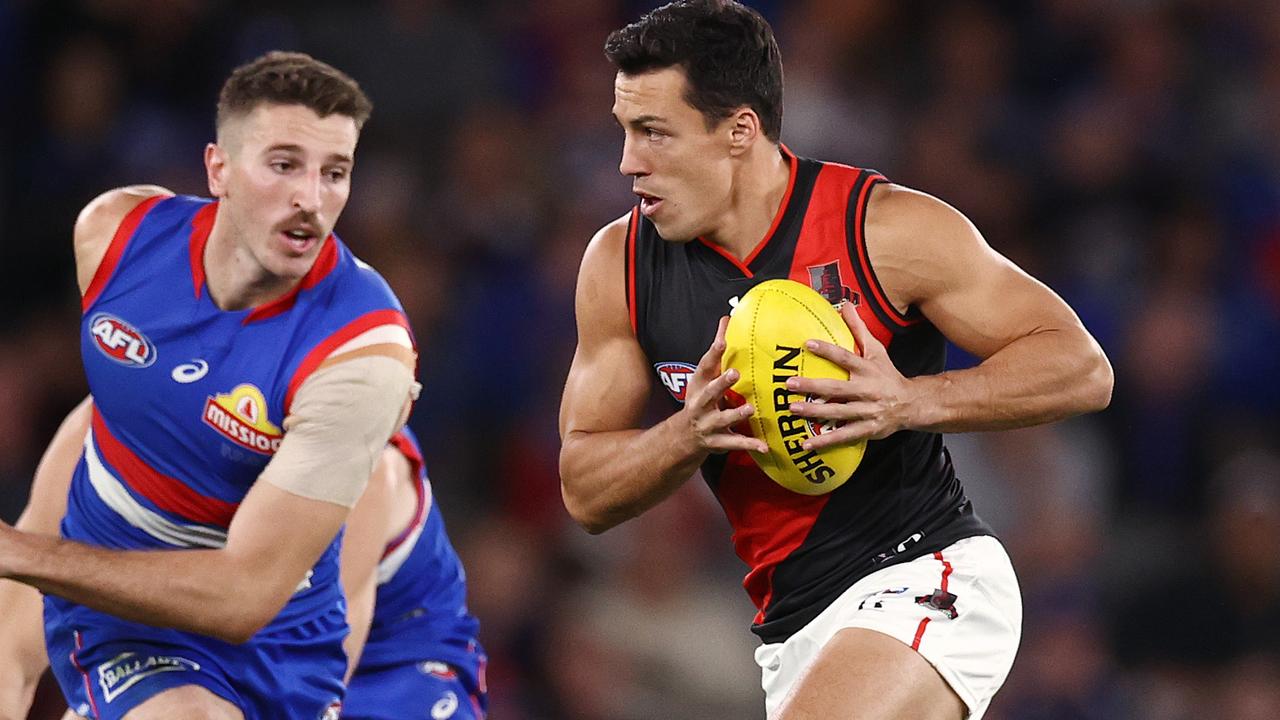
(705, 420)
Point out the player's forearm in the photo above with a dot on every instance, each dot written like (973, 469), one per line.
(607, 478)
(22, 654)
(201, 591)
(360, 602)
(1036, 379)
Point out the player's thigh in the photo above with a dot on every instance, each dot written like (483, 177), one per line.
(185, 702)
(863, 674)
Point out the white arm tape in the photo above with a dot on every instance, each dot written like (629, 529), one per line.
(341, 418)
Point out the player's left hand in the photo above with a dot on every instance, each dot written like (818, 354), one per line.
(873, 403)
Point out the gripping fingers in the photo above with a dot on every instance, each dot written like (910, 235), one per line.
(822, 387)
(710, 362)
(846, 434)
(836, 354)
(849, 411)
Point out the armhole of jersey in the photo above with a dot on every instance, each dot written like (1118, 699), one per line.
(405, 447)
(115, 250)
(317, 355)
(859, 196)
(629, 259)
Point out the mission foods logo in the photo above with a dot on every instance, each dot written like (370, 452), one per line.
(121, 341)
(241, 417)
(675, 377)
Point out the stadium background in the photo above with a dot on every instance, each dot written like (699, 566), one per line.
(1124, 152)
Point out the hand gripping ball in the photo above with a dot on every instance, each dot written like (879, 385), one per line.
(765, 343)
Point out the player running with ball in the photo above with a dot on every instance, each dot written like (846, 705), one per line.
(888, 597)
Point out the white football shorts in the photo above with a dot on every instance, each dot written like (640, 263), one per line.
(960, 608)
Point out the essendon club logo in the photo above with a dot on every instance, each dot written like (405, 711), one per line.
(675, 377)
(121, 342)
(827, 281)
(241, 417)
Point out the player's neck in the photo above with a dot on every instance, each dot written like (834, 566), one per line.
(234, 279)
(756, 199)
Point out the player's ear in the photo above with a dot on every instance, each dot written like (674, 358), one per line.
(744, 129)
(215, 166)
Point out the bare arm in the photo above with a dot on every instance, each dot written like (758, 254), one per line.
(1039, 364)
(370, 527)
(229, 593)
(97, 223)
(22, 651)
(610, 471)
(232, 592)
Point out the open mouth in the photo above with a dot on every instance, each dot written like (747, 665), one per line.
(300, 240)
(648, 203)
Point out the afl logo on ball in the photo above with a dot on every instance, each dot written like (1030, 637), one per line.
(121, 342)
(675, 377)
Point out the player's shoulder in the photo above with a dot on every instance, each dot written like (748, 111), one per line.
(613, 236)
(359, 278)
(897, 214)
(608, 246)
(99, 219)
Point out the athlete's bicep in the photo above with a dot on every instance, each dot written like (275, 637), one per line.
(48, 502)
(931, 256)
(97, 224)
(608, 381)
(340, 420)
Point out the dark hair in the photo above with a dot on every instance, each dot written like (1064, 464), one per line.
(727, 52)
(292, 78)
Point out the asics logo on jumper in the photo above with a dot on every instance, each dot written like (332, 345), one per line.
(127, 669)
(445, 707)
(121, 342)
(733, 304)
(190, 372)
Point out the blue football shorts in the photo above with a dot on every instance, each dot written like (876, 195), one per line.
(429, 690)
(107, 666)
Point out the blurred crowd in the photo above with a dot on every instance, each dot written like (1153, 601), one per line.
(1127, 153)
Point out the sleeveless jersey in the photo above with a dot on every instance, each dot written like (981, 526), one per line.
(904, 500)
(190, 399)
(421, 608)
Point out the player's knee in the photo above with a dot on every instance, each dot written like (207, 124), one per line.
(188, 702)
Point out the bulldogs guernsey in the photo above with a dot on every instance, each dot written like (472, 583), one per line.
(422, 638)
(904, 501)
(189, 399)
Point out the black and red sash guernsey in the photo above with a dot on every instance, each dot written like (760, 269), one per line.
(904, 501)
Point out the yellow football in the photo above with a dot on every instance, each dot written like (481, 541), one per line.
(765, 343)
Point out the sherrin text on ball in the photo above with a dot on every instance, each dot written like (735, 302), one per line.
(766, 344)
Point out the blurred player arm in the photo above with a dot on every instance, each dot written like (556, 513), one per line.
(1039, 363)
(97, 224)
(22, 652)
(369, 528)
(341, 419)
(610, 471)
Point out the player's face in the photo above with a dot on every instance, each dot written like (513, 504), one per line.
(681, 170)
(285, 181)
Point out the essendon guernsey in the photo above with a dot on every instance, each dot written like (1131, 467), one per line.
(904, 500)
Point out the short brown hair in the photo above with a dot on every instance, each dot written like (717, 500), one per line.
(292, 78)
(726, 49)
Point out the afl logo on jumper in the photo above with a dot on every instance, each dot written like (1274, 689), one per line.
(675, 377)
(241, 417)
(121, 341)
